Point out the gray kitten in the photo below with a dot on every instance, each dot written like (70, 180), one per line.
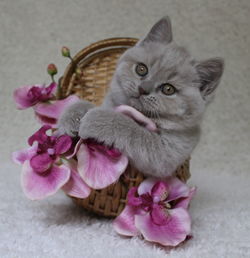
(161, 80)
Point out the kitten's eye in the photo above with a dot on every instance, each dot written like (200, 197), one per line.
(168, 89)
(141, 69)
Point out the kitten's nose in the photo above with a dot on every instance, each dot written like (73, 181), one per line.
(142, 91)
(145, 87)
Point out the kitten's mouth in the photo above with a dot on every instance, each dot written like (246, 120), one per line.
(137, 103)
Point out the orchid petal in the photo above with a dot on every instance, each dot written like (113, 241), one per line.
(63, 144)
(41, 162)
(28, 96)
(76, 187)
(159, 191)
(19, 157)
(44, 120)
(97, 168)
(40, 136)
(174, 187)
(146, 185)
(159, 215)
(184, 202)
(50, 90)
(177, 189)
(131, 197)
(55, 109)
(77, 146)
(21, 97)
(124, 224)
(171, 233)
(38, 186)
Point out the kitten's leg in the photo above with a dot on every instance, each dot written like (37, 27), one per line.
(69, 121)
(146, 149)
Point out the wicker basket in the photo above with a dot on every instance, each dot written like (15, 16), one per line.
(88, 77)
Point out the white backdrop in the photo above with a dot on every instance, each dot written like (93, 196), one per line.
(31, 35)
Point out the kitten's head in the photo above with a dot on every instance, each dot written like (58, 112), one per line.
(162, 80)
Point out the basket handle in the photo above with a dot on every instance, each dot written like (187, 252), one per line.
(111, 42)
(91, 49)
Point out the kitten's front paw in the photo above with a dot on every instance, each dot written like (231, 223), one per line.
(69, 122)
(98, 124)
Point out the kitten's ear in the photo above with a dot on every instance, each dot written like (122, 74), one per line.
(210, 72)
(161, 32)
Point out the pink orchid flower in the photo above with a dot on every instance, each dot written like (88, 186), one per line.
(98, 165)
(42, 171)
(48, 149)
(29, 96)
(40, 97)
(157, 210)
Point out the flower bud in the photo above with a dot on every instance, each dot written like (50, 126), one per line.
(52, 69)
(65, 52)
(78, 71)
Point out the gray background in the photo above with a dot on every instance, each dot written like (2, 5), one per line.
(31, 35)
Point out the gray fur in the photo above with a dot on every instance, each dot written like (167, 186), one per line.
(69, 122)
(161, 32)
(210, 75)
(178, 117)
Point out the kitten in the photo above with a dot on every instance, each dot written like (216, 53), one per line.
(162, 81)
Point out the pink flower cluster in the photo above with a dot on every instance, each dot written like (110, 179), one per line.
(49, 165)
(43, 171)
(157, 209)
(42, 99)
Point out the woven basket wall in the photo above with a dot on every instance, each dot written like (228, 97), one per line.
(88, 76)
